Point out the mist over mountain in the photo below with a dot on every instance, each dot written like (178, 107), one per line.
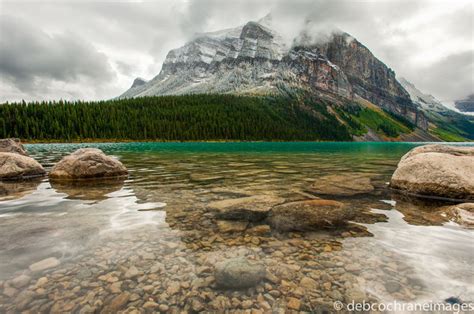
(466, 105)
(254, 59)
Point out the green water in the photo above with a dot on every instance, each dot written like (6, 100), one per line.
(158, 222)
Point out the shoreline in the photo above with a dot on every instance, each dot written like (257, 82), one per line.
(115, 141)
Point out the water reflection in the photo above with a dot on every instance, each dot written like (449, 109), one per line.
(92, 190)
(440, 257)
(152, 239)
(422, 211)
(62, 225)
(13, 189)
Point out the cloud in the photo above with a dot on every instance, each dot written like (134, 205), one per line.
(30, 59)
(416, 38)
(451, 77)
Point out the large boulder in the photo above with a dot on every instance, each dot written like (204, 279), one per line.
(87, 163)
(342, 185)
(238, 273)
(436, 171)
(309, 215)
(14, 166)
(12, 145)
(252, 208)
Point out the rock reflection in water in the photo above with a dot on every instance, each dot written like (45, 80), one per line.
(17, 189)
(89, 190)
(423, 212)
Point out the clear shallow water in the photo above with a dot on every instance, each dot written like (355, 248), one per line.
(157, 222)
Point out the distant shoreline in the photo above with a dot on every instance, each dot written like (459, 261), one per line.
(91, 141)
(105, 141)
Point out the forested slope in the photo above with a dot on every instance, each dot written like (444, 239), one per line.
(170, 118)
(207, 117)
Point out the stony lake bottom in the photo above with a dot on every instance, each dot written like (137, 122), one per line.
(150, 244)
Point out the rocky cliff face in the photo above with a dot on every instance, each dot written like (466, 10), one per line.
(254, 59)
(369, 77)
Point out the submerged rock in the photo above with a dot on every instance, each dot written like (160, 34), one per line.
(231, 226)
(45, 264)
(87, 163)
(238, 273)
(259, 230)
(309, 215)
(17, 167)
(436, 171)
(12, 145)
(342, 185)
(21, 281)
(252, 208)
(116, 303)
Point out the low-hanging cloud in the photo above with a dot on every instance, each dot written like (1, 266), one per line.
(416, 38)
(30, 57)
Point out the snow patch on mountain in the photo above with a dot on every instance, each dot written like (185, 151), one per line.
(425, 101)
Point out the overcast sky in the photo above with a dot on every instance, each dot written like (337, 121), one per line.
(86, 49)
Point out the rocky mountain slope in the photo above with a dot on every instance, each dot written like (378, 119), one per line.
(253, 59)
(424, 101)
(444, 123)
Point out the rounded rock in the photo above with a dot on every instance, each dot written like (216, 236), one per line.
(87, 163)
(12, 145)
(436, 171)
(238, 273)
(18, 167)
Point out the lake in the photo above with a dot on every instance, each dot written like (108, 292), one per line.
(150, 243)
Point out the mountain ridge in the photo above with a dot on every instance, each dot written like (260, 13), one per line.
(253, 59)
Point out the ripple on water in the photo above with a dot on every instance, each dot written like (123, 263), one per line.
(152, 236)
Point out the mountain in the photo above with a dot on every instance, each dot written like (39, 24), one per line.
(425, 102)
(254, 60)
(446, 124)
(465, 105)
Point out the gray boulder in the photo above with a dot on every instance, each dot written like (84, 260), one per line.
(309, 215)
(238, 273)
(14, 166)
(87, 163)
(437, 171)
(12, 145)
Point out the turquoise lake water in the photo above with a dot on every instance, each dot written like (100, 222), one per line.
(158, 223)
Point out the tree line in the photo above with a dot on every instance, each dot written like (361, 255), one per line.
(173, 118)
